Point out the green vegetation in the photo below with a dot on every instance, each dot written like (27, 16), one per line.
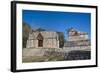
(61, 39)
(26, 29)
(41, 29)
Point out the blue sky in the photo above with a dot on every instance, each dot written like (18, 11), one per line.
(58, 21)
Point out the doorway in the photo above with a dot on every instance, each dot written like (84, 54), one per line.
(40, 43)
(40, 40)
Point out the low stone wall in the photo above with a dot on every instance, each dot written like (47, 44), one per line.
(54, 53)
(75, 48)
(32, 52)
(27, 52)
(35, 51)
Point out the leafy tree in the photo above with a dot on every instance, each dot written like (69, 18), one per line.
(26, 29)
(41, 29)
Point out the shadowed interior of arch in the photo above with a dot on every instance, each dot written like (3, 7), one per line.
(40, 40)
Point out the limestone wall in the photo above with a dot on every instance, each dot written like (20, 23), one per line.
(29, 52)
(32, 44)
(50, 43)
(75, 48)
(50, 40)
(32, 52)
(47, 43)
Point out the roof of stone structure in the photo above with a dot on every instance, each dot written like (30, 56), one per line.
(45, 34)
(40, 37)
(76, 31)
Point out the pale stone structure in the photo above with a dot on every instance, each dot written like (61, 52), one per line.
(74, 35)
(43, 39)
(77, 41)
(46, 40)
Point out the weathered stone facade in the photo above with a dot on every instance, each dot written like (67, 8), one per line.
(50, 39)
(77, 41)
(76, 47)
(43, 39)
(75, 35)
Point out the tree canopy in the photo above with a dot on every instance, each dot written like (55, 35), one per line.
(26, 29)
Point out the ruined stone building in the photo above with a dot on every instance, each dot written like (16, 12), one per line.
(77, 41)
(43, 39)
(40, 43)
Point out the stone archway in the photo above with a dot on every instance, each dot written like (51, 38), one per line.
(40, 40)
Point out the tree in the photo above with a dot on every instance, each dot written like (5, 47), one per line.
(61, 39)
(40, 29)
(26, 29)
